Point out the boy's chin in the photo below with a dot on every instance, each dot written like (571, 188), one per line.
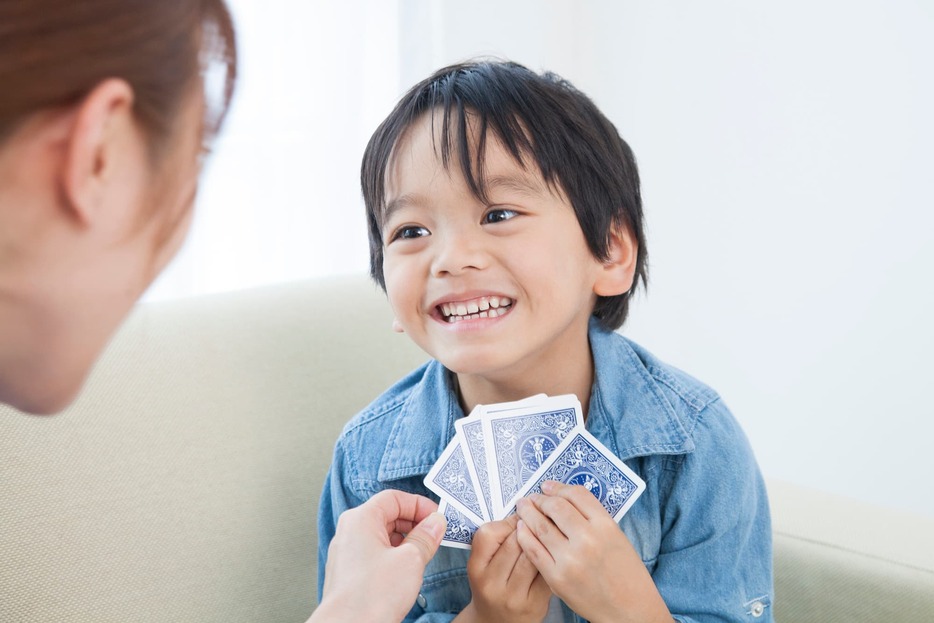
(473, 368)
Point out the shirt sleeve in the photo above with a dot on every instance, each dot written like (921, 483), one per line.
(335, 499)
(715, 558)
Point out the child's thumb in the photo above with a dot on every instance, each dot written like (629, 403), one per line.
(426, 536)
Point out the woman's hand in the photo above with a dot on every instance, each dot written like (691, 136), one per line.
(377, 558)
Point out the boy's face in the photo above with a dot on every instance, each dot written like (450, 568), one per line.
(498, 291)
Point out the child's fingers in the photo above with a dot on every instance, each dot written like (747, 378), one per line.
(495, 551)
(579, 497)
(504, 560)
(487, 541)
(562, 512)
(542, 527)
(539, 588)
(523, 573)
(533, 549)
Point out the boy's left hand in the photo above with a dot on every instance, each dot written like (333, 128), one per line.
(504, 584)
(585, 558)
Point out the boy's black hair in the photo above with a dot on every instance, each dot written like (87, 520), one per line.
(543, 116)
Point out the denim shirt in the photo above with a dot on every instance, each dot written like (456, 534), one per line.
(702, 525)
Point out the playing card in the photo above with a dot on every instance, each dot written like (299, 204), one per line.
(470, 432)
(460, 530)
(582, 460)
(519, 441)
(531, 401)
(450, 479)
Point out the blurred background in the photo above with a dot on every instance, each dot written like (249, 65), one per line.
(786, 152)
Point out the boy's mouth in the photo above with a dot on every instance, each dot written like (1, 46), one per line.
(483, 307)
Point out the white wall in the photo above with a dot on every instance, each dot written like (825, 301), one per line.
(786, 156)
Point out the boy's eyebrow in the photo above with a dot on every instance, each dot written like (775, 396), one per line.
(398, 203)
(520, 183)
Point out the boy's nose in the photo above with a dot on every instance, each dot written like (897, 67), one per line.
(457, 254)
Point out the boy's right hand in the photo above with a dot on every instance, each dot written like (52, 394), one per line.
(504, 583)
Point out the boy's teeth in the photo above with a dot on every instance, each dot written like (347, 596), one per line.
(492, 313)
(483, 307)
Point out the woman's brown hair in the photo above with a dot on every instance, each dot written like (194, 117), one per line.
(54, 52)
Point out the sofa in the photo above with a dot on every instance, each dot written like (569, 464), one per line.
(182, 485)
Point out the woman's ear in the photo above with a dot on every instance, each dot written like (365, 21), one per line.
(618, 271)
(397, 326)
(102, 129)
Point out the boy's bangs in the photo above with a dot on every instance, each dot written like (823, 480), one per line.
(466, 108)
(460, 135)
(464, 134)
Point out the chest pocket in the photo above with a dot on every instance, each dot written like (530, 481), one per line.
(445, 588)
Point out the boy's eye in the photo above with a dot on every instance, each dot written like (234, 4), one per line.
(498, 215)
(409, 232)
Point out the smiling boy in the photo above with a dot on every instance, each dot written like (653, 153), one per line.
(505, 225)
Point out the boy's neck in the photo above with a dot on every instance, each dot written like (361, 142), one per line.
(571, 378)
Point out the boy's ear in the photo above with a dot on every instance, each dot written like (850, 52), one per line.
(618, 271)
(94, 144)
(397, 326)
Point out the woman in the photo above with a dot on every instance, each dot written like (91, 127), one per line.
(104, 120)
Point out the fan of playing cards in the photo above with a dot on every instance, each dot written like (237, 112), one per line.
(503, 452)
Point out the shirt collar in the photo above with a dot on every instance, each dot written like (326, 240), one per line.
(424, 426)
(627, 410)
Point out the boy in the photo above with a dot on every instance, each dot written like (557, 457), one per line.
(505, 225)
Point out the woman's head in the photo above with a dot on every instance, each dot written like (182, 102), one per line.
(103, 123)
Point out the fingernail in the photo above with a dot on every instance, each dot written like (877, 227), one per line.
(435, 524)
(549, 486)
(520, 525)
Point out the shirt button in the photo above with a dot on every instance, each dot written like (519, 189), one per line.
(756, 610)
(422, 602)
